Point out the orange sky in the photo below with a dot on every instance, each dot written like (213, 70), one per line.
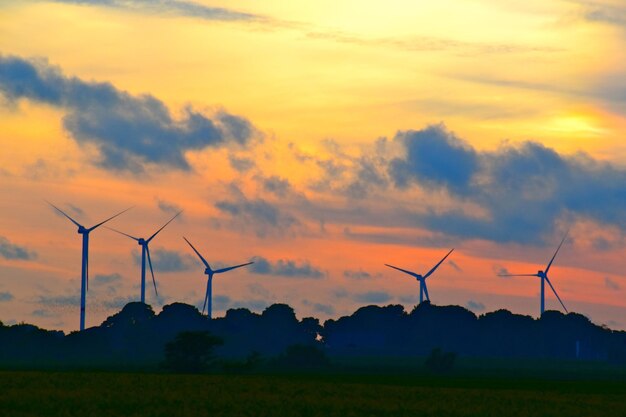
(332, 136)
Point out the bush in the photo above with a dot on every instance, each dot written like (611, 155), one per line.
(191, 352)
(439, 361)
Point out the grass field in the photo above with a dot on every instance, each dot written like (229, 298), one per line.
(145, 394)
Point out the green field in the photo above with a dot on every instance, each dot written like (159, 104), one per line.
(153, 394)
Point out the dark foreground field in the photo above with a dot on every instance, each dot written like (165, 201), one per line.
(144, 394)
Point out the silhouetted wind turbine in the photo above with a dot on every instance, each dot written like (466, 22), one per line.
(422, 278)
(209, 273)
(145, 250)
(544, 278)
(84, 278)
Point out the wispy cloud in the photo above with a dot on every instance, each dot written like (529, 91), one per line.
(375, 297)
(611, 284)
(10, 250)
(171, 8)
(286, 268)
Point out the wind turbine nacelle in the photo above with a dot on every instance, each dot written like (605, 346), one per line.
(81, 230)
(207, 271)
(141, 241)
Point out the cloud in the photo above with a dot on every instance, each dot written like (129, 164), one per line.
(128, 131)
(241, 164)
(320, 308)
(9, 250)
(257, 214)
(375, 297)
(60, 301)
(276, 185)
(6, 296)
(475, 305)
(118, 302)
(171, 7)
(286, 268)
(500, 270)
(358, 274)
(522, 191)
(107, 278)
(224, 302)
(435, 158)
(168, 207)
(603, 12)
(340, 293)
(611, 284)
(43, 313)
(454, 265)
(164, 260)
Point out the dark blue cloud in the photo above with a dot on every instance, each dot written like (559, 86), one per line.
(164, 260)
(357, 274)
(169, 7)
(107, 278)
(128, 130)
(524, 190)
(9, 250)
(375, 297)
(434, 157)
(43, 313)
(255, 214)
(323, 308)
(286, 268)
(276, 185)
(6, 296)
(475, 305)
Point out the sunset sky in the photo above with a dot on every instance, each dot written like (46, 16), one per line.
(320, 139)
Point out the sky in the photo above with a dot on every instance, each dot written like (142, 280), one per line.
(320, 140)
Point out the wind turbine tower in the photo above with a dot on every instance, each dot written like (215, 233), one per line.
(84, 277)
(422, 278)
(543, 275)
(209, 273)
(145, 253)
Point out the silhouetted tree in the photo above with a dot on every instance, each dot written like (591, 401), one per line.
(190, 352)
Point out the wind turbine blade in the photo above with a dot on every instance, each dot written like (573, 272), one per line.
(231, 267)
(151, 270)
(110, 218)
(518, 275)
(163, 227)
(555, 253)
(206, 297)
(197, 253)
(429, 273)
(121, 233)
(557, 296)
(63, 213)
(402, 270)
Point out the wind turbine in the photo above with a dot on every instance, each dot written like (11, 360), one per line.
(145, 250)
(544, 278)
(422, 278)
(209, 273)
(84, 277)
